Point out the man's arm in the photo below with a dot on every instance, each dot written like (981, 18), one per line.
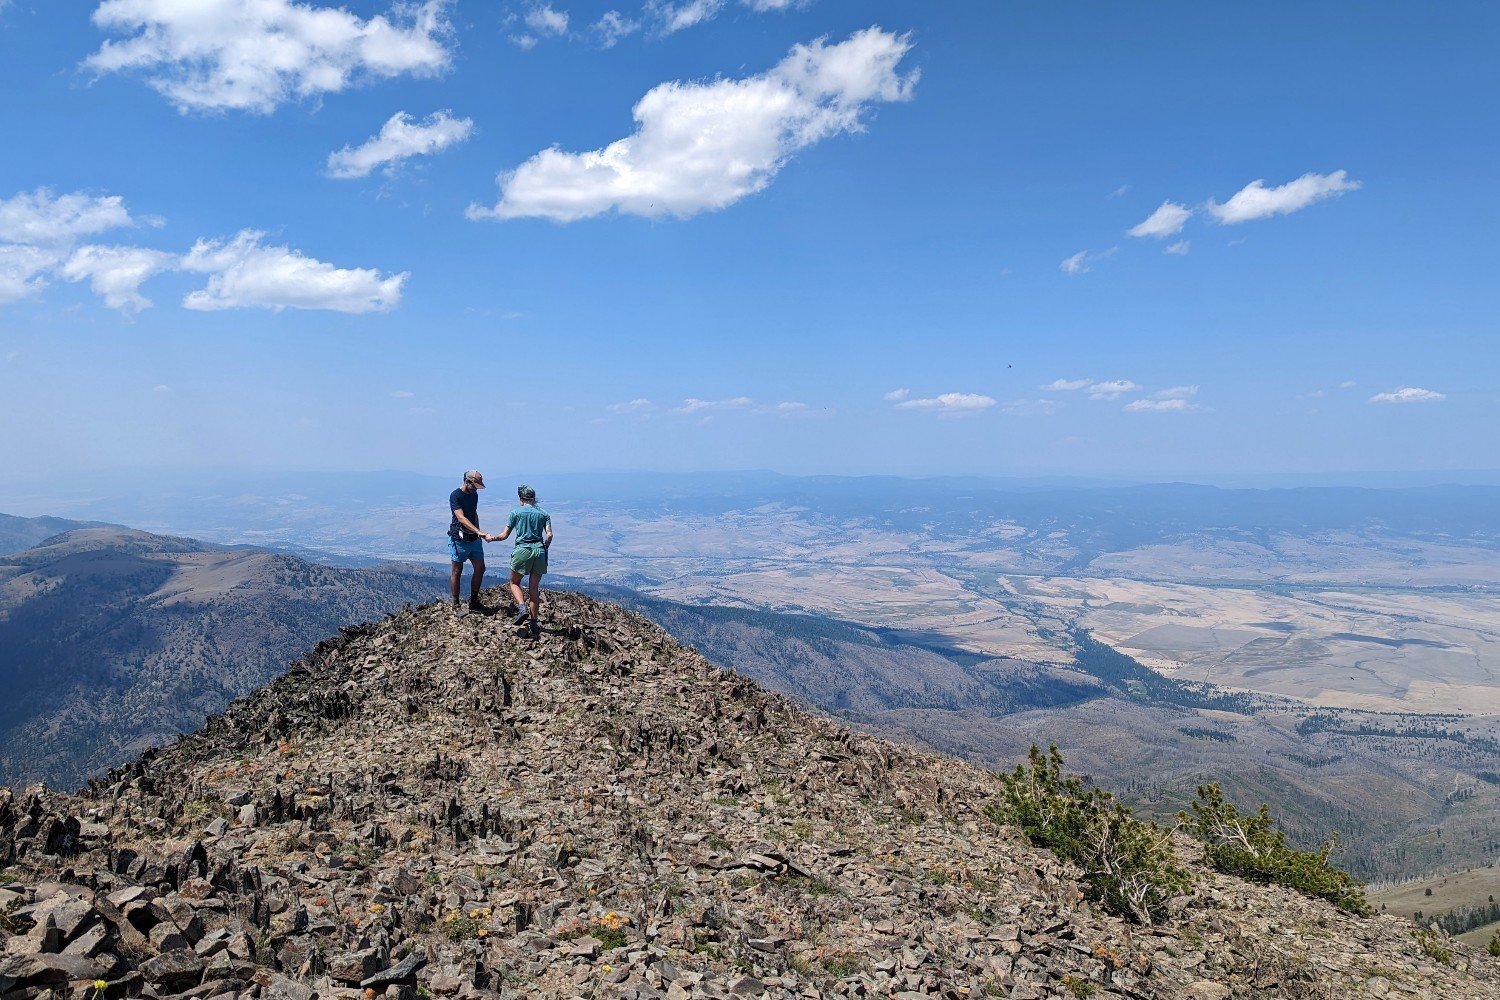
(468, 525)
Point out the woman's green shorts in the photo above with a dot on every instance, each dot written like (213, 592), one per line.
(529, 560)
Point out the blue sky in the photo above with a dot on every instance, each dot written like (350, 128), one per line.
(836, 237)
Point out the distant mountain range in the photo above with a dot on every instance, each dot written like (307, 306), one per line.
(112, 640)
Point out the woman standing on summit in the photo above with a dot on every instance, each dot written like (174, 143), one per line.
(533, 528)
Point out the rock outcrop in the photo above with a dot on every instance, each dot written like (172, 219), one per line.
(442, 806)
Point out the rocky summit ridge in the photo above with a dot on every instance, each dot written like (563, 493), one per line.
(434, 805)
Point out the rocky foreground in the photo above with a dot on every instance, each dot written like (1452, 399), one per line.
(442, 806)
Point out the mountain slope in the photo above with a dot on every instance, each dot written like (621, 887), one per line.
(18, 533)
(438, 803)
(113, 640)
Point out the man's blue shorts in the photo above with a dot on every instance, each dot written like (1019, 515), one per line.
(460, 552)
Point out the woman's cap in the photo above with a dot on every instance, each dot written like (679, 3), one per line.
(525, 492)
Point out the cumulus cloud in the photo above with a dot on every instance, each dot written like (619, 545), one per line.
(1112, 389)
(38, 235)
(545, 20)
(1167, 220)
(252, 55)
(1408, 395)
(244, 272)
(1178, 249)
(399, 139)
(614, 26)
(1176, 405)
(1256, 201)
(1065, 384)
(117, 273)
(40, 218)
(1084, 260)
(950, 403)
(896, 395)
(21, 271)
(699, 147)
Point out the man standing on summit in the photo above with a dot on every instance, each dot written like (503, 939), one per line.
(466, 541)
(533, 528)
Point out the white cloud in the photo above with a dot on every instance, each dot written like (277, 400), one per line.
(790, 406)
(243, 272)
(1408, 395)
(636, 406)
(693, 405)
(704, 146)
(896, 395)
(1163, 406)
(21, 271)
(544, 20)
(1065, 384)
(950, 403)
(1167, 220)
(614, 26)
(772, 6)
(400, 138)
(38, 231)
(1112, 389)
(251, 55)
(1347, 384)
(402, 394)
(161, 388)
(1119, 191)
(1083, 261)
(1178, 249)
(1176, 392)
(117, 273)
(670, 17)
(41, 219)
(1256, 201)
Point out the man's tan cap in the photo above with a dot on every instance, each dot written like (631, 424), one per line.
(476, 477)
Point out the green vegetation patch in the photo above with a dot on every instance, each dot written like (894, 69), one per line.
(1253, 846)
(1128, 866)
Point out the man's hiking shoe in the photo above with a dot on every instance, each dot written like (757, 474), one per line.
(477, 606)
(521, 616)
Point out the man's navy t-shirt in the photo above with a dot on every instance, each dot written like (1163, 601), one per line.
(466, 501)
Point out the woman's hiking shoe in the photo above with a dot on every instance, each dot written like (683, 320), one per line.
(521, 616)
(459, 610)
(536, 630)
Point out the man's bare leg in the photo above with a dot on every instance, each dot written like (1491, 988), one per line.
(455, 579)
(476, 580)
